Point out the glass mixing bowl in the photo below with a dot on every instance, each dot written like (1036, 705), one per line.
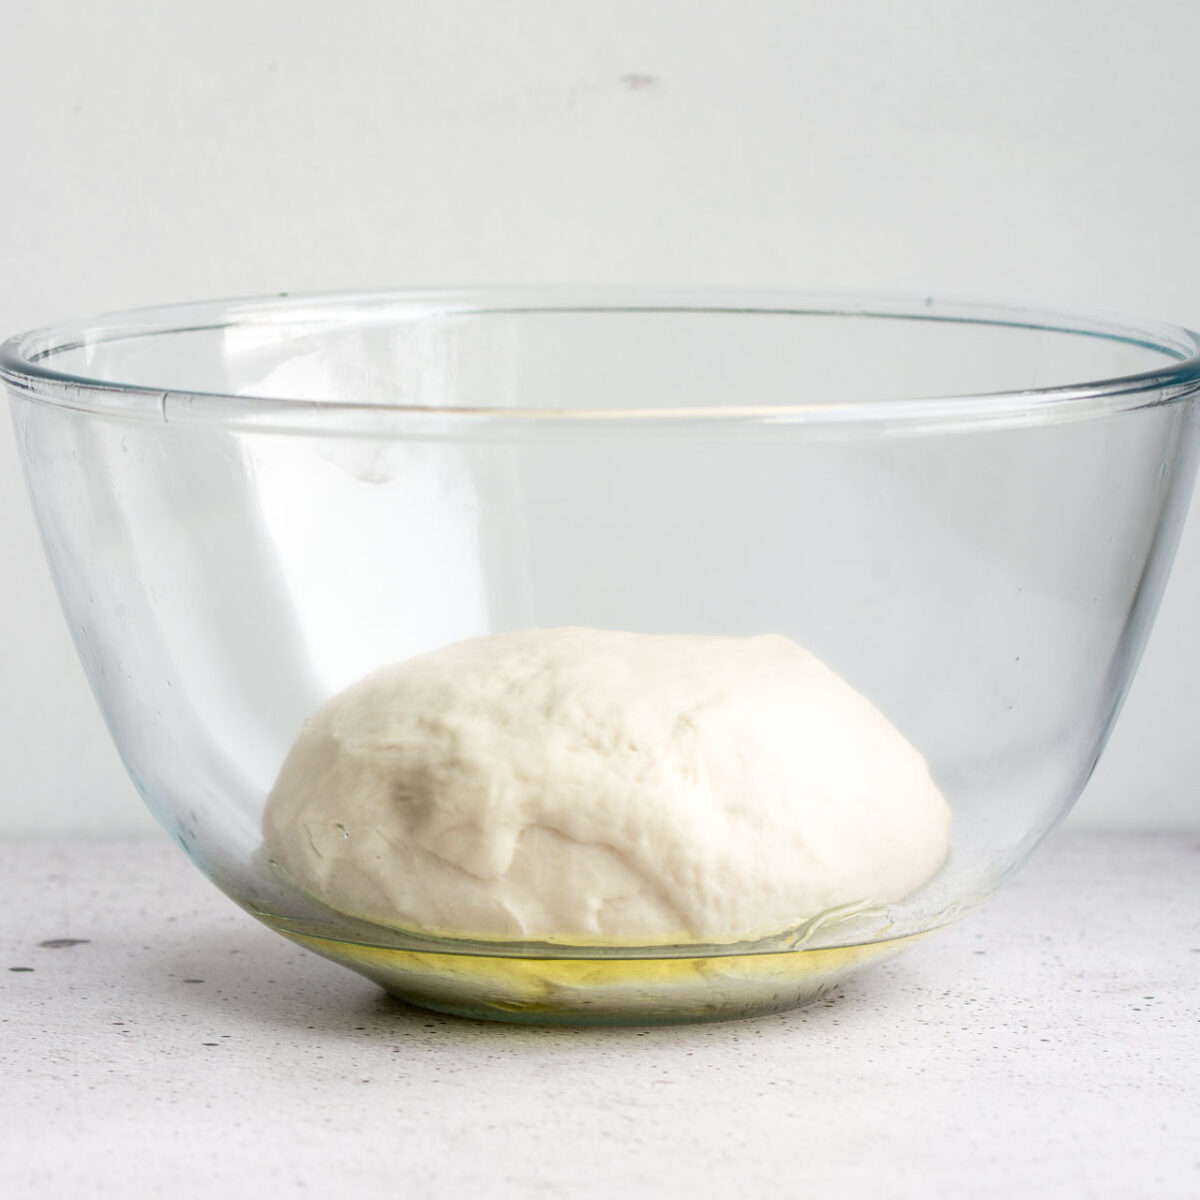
(967, 511)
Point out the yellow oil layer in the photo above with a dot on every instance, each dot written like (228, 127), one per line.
(565, 990)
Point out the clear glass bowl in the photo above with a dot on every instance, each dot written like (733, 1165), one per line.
(967, 511)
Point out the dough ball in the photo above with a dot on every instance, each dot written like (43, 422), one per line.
(578, 784)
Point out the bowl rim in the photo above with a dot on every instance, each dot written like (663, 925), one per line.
(24, 369)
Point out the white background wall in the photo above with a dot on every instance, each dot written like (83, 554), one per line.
(1039, 150)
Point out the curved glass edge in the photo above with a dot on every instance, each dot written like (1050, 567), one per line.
(23, 365)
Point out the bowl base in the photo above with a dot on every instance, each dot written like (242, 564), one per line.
(604, 991)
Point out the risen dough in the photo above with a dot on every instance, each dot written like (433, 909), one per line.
(581, 784)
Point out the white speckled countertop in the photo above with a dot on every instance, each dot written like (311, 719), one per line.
(1048, 1046)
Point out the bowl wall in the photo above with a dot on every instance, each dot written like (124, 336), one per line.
(985, 575)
